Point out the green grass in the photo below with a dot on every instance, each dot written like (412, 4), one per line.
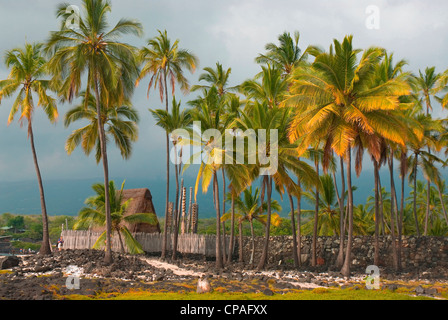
(327, 294)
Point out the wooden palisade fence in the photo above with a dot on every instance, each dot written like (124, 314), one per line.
(151, 242)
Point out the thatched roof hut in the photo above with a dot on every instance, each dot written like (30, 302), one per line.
(141, 202)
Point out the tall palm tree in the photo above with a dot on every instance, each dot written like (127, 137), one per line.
(207, 110)
(164, 61)
(289, 165)
(427, 85)
(94, 214)
(219, 78)
(110, 66)
(27, 75)
(260, 117)
(336, 102)
(388, 70)
(420, 158)
(285, 56)
(170, 122)
(120, 123)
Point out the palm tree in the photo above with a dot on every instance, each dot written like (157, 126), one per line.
(27, 75)
(163, 61)
(423, 159)
(271, 89)
(110, 66)
(122, 131)
(388, 70)
(259, 117)
(94, 214)
(285, 56)
(207, 111)
(240, 179)
(435, 205)
(171, 122)
(249, 209)
(218, 77)
(441, 86)
(328, 213)
(426, 85)
(336, 102)
(288, 165)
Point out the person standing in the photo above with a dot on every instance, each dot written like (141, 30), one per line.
(60, 243)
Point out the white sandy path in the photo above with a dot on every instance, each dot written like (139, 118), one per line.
(155, 262)
(176, 270)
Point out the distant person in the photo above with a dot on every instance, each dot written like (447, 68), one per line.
(60, 243)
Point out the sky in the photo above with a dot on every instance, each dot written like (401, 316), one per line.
(232, 32)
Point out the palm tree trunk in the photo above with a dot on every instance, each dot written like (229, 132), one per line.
(232, 231)
(299, 232)
(415, 196)
(400, 220)
(428, 197)
(176, 209)
(165, 229)
(45, 247)
(392, 210)
(293, 228)
(377, 243)
(219, 264)
(442, 202)
(384, 225)
(428, 192)
(340, 258)
(252, 253)
(347, 262)
(224, 256)
(165, 235)
(264, 255)
(121, 241)
(240, 236)
(316, 222)
(108, 254)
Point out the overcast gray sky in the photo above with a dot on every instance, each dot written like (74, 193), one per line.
(232, 32)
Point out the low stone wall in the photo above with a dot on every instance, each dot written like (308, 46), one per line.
(417, 252)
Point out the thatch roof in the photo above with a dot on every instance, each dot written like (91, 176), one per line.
(141, 203)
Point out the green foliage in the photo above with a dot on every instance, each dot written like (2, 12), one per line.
(32, 224)
(25, 245)
(93, 214)
(16, 222)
